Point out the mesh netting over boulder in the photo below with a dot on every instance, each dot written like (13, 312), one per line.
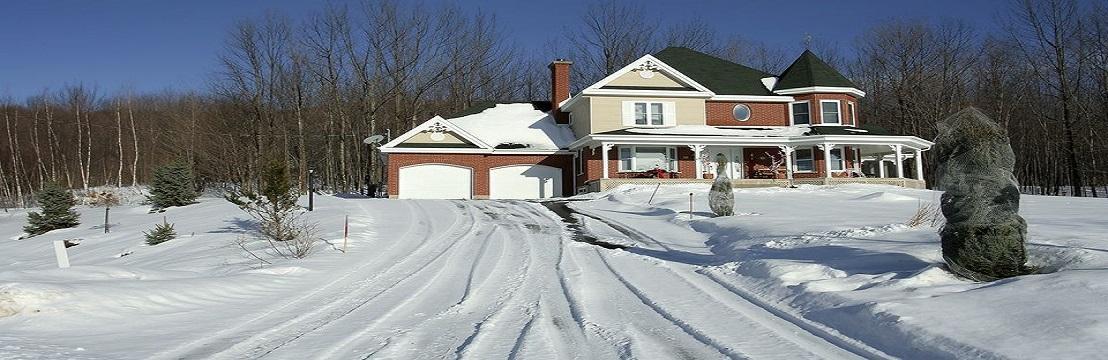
(983, 238)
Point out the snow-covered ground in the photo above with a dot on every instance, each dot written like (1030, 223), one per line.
(815, 272)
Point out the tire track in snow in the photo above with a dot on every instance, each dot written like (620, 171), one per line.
(253, 345)
(228, 337)
(472, 227)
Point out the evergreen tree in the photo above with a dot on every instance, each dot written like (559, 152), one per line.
(161, 233)
(57, 211)
(983, 238)
(172, 186)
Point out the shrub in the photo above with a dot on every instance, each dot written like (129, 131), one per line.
(278, 216)
(172, 186)
(721, 199)
(161, 233)
(57, 211)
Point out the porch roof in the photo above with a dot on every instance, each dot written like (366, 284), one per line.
(753, 136)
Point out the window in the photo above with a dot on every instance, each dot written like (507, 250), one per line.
(803, 160)
(656, 114)
(837, 161)
(850, 114)
(741, 112)
(799, 113)
(647, 113)
(579, 161)
(643, 158)
(830, 110)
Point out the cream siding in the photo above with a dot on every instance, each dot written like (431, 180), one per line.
(582, 117)
(632, 78)
(607, 112)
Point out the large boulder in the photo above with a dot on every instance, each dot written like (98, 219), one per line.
(722, 197)
(983, 238)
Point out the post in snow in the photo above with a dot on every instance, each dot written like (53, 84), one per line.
(61, 254)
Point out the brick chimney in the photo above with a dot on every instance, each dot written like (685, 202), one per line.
(559, 88)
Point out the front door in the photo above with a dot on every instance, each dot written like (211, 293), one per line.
(734, 157)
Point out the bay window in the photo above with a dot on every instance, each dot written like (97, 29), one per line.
(830, 112)
(644, 158)
(799, 113)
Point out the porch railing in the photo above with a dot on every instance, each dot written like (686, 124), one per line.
(606, 184)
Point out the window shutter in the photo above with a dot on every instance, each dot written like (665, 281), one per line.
(669, 108)
(628, 113)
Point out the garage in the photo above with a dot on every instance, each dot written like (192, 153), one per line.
(525, 182)
(435, 181)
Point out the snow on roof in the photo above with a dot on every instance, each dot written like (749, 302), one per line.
(712, 130)
(517, 123)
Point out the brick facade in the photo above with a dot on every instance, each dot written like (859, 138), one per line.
(720, 113)
(481, 164)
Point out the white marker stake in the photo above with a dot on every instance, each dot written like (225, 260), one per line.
(60, 252)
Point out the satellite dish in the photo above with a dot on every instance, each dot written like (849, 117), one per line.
(373, 139)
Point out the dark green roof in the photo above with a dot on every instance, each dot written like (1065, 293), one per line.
(721, 76)
(809, 70)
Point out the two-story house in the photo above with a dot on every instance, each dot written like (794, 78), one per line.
(663, 118)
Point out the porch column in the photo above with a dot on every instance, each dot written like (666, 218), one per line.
(899, 161)
(788, 150)
(604, 147)
(827, 159)
(919, 164)
(697, 149)
(881, 166)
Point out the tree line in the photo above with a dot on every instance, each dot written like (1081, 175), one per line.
(306, 92)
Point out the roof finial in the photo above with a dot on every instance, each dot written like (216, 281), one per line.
(807, 41)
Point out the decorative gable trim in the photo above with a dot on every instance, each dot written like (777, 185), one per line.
(645, 63)
(436, 125)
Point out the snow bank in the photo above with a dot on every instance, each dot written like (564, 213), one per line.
(841, 257)
(516, 124)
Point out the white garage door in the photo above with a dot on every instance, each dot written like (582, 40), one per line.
(436, 181)
(525, 182)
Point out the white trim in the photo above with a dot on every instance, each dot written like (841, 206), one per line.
(822, 89)
(472, 175)
(793, 118)
(853, 113)
(669, 113)
(646, 93)
(427, 124)
(803, 140)
(838, 112)
(796, 160)
(751, 98)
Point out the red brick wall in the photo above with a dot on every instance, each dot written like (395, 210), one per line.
(481, 164)
(757, 157)
(720, 113)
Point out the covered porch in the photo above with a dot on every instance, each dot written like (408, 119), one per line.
(758, 161)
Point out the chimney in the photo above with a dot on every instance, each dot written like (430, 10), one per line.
(559, 88)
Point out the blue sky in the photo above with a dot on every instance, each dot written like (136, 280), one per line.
(156, 45)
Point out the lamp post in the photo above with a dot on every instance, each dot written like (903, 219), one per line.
(311, 189)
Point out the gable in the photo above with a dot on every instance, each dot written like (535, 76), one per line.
(448, 139)
(652, 80)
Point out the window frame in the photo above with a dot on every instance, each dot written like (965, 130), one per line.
(838, 112)
(579, 162)
(648, 113)
(792, 112)
(853, 113)
(811, 159)
(749, 112)
(842, 159)
(671, 158)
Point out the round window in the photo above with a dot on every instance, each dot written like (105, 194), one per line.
(741, 112)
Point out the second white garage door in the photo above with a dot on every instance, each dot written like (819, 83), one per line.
(436, 181)
(525, 182)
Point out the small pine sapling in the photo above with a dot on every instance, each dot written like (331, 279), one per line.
(161, 233)
(279, 217)
(57, 211)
